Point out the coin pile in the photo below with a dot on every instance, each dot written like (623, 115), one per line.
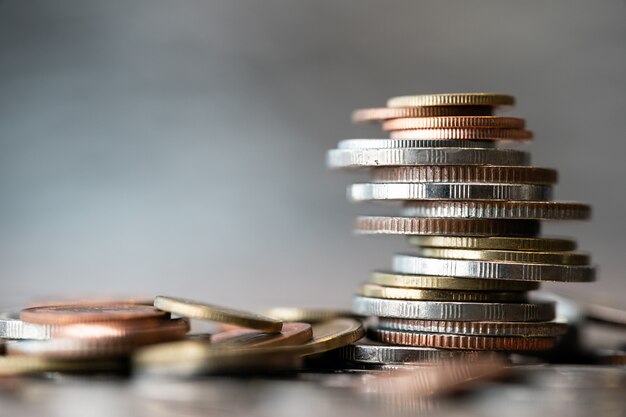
(472, 212)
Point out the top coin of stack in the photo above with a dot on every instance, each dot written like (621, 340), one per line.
(472, 210)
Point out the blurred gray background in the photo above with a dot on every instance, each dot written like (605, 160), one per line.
(178, 147)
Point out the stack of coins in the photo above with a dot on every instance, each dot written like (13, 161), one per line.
(472, 212)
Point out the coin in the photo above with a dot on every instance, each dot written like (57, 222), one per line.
(463, 134)
(380, 291)
(409, 264)
(462, 99)
(501, 243)
(384, 113)
(453, 191)
(453, 227)
(454, 341)
(449, 122)
(412, 143)
(90, 299)
(11, 327)
(199, 310)
(476, 328)
(544, 210)
(465, 174)
(293, 333)
(364, 158)
(450, 283)
(557, 258)
(456, 311)
(20, 365)
(307, 315)
(77, 313)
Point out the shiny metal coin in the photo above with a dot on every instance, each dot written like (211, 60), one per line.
(476, 328)
(11, 327)
(449, 283)
(412, 143)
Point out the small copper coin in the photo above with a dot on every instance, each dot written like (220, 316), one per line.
(385, 113)
(465, 173)
(462, 122)
(292, 333)
(458, 134)
(91, 300)
(68, 314)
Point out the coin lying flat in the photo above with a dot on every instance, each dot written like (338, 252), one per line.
(476, 328)
(21, 365)
(557, 258)
(409, 264)
(412, 143)
(452, 191)
(476, 122)
(450, 283)
(79, 313)
(199, 310)
(456, 311)
(307, 315)
(498, 243)
(465, 174)
(11, 327)
(456, 99)
(544, 210)
(293, 333)
(380, 291)
(454, 341)
(384, 113)
(463, 134)
(365, 158)
(377, 225)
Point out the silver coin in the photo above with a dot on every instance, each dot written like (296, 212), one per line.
(452, 191)
(476, 328)
(361, 158)
(11, 327)
(455, 311)
(413, 143)
(517, 271)
(547, 210)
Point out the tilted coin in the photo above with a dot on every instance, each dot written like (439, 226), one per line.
(455, 99)
(307, 315)
(22, 365)
(384, 113)
(455, 341)
(409, 264)
(452, 191)
(557, 258)
(543, 210)
(380, 291)
(376, 225)
(365, 158)
(293, 333)
(447, 122)
(82, 313)
(452, 310)
(463, 134)
(465, 174)
(200, 310)
(498, 243)
(11, 327)
(450, 283)
(412, 143)
(476, 328)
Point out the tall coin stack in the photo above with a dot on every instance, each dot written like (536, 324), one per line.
(471, 212)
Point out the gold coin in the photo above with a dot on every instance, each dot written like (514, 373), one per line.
(385, 113)
(199, 310)
(406, 123)
(557, 258)
(307, 315)
(449, 283)
(500, 243)
(459, 99)
(380, 291)
(462, 134)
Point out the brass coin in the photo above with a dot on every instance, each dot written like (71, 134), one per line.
(380, 291)
(457, 99)
(307, 315)
(385, 113)
(22, 365)
(449, 283)
(498, 243)
(465, 174)
(293, 333)
(83, 313)
(463, 134)
(558, 258)
(454, 122)
(199, 310)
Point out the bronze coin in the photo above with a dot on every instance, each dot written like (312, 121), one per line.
(460, 122)
(77, 313)
(385, 113)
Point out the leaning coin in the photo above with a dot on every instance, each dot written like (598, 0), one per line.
(465, 174)
(11, 327)
(383, 113)
(455, 99)
(199, 310)
(498, 243)
(82, 313)
(447, 191)
(476, 328)
(455, 341)
(293, 333)
(450, 122)
(544, 210)
(556, 258)
(380, 291)
(463, 134)
(449, 310)
(308, 315)
(20, 365)
(409, 264)
(450, 283)
(366, 158)
(412, 143)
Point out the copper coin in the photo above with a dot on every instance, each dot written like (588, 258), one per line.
(292, 333)
(454, 341)
(76, 313)
(465, 173)
(385, 113)
(90, 300)
(462, 122)
(462, 134)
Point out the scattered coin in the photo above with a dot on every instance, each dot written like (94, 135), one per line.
(494, 242)
(307, 315)
(557, 258)
(463, 134)
(465, 174)
(463, 99)
(450, 283)
(384, 113)
(380, 291)
(293, 333)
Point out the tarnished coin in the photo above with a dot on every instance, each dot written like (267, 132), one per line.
(78, 313)
(308, 315)
(387, 225)
(476, 328)
(200, 310)
(543, 210)
(455, 341)
(456, 99)
(366, 158)
(412, 143)
(465, 174)
(452, 310)
(444, 191)
(498, 243)
(557, 258)
(384, 113)
(11, 327)
(22, 365)
(448, 122)
(450, 283)
(463, 134)
(293, 333)
(409, 264)
(380, 291)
